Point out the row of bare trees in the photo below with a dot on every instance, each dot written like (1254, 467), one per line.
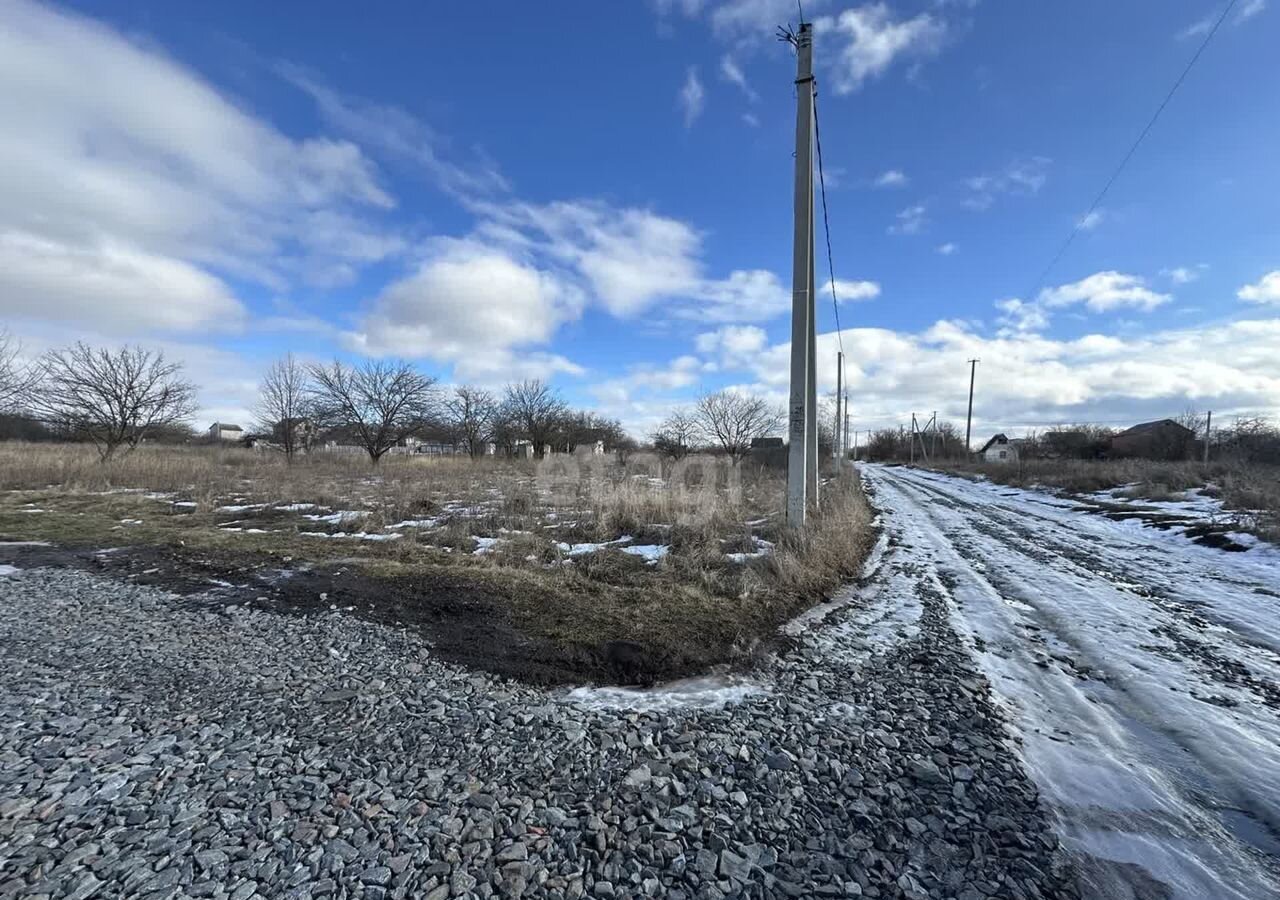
(378, 404)
(726, 421)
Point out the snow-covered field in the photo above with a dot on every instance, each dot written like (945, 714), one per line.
(1141, 672)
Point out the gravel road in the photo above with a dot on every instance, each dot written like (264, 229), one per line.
(155, 746)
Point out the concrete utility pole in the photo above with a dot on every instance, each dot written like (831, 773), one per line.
(835, 438)
(913, 439)
(1208, 432)
(802, 455)
(846, 429)
(968, 422)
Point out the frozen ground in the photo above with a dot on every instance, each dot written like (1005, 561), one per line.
(1141, 670)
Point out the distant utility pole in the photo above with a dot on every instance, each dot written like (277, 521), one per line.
(933, 445)
(846, 429)
(835, 439)
(968, 422)
(913, 439)
(802, 455)
(1208, 433)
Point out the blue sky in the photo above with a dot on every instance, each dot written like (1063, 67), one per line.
(600, 194)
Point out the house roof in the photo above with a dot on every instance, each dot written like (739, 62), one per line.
(1143, 427)
(995, 438)
(225, 426)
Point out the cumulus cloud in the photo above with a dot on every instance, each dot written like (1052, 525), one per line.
(1105, 291)
(733, 345)
(1027, 380)
(948, 248)
(853, 291)
(692, 97)
(758, 18)
(465, 302)
(870, 39)
(1266, 290)
(1183, 274)
(131, 168)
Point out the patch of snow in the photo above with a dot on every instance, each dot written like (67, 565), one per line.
(484, 544)
(341, 517)
(417, 523)
(24, 543)
(763, 548)
(24, 509)
(7, 570)
(297, 507)
(707, 692)
(651, 553)
(354, 535)
(130, 521)
(245, 507)
(579, 549)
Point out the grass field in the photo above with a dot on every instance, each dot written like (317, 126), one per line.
(681, 571)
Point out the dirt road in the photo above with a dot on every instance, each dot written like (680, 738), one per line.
(1141, 672)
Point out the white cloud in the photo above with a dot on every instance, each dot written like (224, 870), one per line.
(466, 302)
(1249, 9)
(751, 119)
(1027, 380)
(872, 39)
(732, 73)
(397, 133)
(629, 259)
(43, 279)
(911, 220)
(948, 248)
(692, 97)
(1267, 290)
(893, 178)
(1021, 178)
(130, 164)
(754, 18)
(1105, 291)
(1091, 220)
(1183, 274)
(853, 291)
(733, 345)
(1018, 316)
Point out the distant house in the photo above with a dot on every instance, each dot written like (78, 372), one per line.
(765, 443)
(1163, 439)
(222, 431)
(999, 449)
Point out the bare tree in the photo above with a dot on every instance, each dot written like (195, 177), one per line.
(730, 420)
(284, 402)
(676, 434)
(380, 403)
(470, 412)
(17, 379)
(114, 398)
(537, 410)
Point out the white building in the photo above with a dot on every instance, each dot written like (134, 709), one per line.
(222, 431)
(999, 450)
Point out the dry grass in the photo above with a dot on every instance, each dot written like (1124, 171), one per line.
(693, 607)
(1251, 492)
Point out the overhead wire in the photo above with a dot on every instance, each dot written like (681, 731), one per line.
(1093, 207)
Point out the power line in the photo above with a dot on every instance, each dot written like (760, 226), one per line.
(826, 225)
(1128, 156)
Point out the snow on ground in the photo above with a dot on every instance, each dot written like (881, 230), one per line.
(1141, 671)
(587, 547)
(354, 535)
(341, 517)
(650, 553)
(6, 570)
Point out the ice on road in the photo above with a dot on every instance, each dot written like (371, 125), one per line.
(1141, 673)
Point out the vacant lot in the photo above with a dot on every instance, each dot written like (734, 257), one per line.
(555, 571)
(1250, 494)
